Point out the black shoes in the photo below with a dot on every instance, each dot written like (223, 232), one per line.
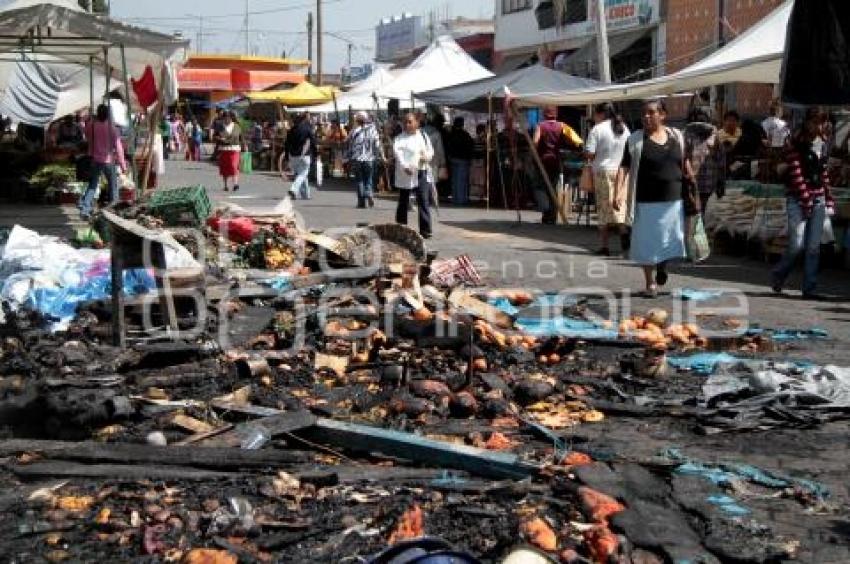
(661, 275)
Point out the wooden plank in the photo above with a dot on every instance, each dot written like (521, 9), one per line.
(187, 456)
(365, 439)
(278, 424)
(463, 300)
(244, 409)
(47, 469)
(191, 424)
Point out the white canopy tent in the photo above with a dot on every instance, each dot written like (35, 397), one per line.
(360, 96)
(54, 54)
(444, 63)
(754, 56)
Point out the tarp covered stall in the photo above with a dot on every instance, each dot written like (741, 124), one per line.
(817, 63)
(37, 93)
(754, 56)
(473, 96)
(444, 63)
(61, 42)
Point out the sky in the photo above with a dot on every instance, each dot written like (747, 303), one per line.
(281, 24)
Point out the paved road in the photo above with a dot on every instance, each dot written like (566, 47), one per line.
(526, 254)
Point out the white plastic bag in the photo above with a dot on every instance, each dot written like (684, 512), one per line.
(319, 172)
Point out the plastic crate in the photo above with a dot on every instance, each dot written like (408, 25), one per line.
(181, 206)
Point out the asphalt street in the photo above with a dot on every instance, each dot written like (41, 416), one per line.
(526, 254)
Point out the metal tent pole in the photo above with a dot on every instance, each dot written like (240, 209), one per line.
(131, 145)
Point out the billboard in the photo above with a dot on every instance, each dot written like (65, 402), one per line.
(398, 37)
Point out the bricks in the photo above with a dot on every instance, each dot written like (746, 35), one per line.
(692, 33)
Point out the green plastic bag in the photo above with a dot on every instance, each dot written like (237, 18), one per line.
(246, 162)
(89, 237)
(698, 246)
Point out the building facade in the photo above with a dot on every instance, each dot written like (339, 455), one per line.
(646, 38)
(695, 28)
(529, 31)
(400, 40)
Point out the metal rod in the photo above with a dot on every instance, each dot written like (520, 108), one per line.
(91, 89)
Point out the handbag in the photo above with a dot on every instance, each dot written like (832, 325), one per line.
(585, 183)
(698, 246)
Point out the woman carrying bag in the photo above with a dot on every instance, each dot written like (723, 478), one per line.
(231, 143)
(654, 164)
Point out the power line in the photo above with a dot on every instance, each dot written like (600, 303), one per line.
(230, 16)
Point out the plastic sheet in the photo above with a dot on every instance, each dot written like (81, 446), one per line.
(702, 363)
(726, 474)
(696, 295)
(54, 278)
(566, 327)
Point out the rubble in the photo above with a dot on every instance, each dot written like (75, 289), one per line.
(342, 399)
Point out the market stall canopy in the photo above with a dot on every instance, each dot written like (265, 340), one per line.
(63, 29)
(361, 96)
(444, 63)
(754, 56)
(304, 94)
(48, 47)
(472, 96)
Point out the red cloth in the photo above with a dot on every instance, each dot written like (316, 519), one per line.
(228, 163)
(145, 88)
(237, 229)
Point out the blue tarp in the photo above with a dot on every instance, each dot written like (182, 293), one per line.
(555, 324)
(61, 303)
(696, 295)
(702, 363)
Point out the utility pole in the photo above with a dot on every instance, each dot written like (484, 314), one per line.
(310, 45)
(200, 34)
(319, 41)
(350, 49)
(602, 43)
(247, 36)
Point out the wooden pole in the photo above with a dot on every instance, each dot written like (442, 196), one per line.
(536, 156)
(153, 124)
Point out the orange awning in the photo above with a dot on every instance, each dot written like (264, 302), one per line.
(236, 80)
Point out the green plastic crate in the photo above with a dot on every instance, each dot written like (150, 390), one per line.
(181, 206)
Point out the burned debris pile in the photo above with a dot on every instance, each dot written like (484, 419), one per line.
(349, 397)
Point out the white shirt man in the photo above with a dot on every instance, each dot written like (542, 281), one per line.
(606, 147)
(413, 152)
(777, 131)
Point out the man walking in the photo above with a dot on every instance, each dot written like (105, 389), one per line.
(364, 150)
(460, 152)
(300, 150)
